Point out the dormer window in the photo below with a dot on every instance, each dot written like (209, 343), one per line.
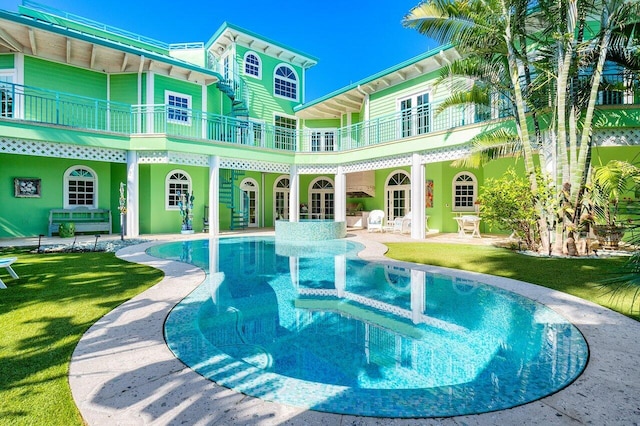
(286, 83)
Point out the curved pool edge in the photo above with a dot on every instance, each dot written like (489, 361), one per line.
(147, 384)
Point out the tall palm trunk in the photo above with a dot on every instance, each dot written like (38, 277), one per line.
(522, 125)
(564, 57)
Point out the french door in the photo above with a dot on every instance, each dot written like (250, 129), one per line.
(322, 199)
(250, 201)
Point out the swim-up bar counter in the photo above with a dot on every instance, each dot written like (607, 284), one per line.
(310, 230)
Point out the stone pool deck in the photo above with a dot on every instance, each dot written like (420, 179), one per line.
(123, 373)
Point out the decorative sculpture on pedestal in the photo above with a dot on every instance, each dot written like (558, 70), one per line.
(122, 207)
(186, 211)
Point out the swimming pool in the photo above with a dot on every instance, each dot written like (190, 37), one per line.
(318, 328)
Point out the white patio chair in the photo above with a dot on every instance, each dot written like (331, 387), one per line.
(402, 224)
(375, 221)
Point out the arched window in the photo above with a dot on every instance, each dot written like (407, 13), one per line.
(465, 191)
(252, 65)
(398, 194)
(178, 183)
(80, 188)
(285, 82)
(321, 194)
(281, 197)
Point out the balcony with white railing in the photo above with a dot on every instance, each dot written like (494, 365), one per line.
(41, 106)
(49, 107)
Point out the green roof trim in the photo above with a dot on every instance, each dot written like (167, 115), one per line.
(226, 25)
(89, 26)
(102, 41)
(376, 76)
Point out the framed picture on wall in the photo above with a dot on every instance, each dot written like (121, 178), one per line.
(27, 187)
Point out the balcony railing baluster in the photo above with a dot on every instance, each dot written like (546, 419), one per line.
(50, 107)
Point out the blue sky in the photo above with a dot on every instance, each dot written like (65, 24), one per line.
(352, 39)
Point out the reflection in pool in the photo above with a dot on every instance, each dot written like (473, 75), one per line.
(316, 327)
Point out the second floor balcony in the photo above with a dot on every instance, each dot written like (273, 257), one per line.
(41, 106)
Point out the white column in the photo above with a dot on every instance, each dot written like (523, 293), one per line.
(262, 199)
(216, 278)
(367, 117)
(108, 124)
(294, 270)
(294, 195)
(340, 196)
(18, 101)
(417, 198)
(150, 102)
(139, 116)
(340, 262)
(204, 112)
(418, 295)
(133, 200)
(214, 196)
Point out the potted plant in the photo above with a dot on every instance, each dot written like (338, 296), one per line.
(610, 182)
(186, 211)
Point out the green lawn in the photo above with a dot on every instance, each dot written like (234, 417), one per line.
(578, 276)
(42, 317)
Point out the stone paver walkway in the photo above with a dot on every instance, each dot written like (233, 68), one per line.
(122, 372)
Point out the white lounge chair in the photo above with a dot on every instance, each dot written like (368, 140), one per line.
(6, 262)
(375, 221)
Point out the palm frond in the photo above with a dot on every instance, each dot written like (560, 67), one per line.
(469, 25)
(626, 282)
(490, 145)
(475, 96)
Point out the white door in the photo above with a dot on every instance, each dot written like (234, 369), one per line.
(322, 199)
(398, 195)
(250, 201)
(281, 199)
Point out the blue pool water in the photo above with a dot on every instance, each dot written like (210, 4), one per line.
(314, 326)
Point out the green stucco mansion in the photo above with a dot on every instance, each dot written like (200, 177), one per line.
(93, 116)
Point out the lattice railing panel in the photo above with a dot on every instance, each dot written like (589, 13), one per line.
(317, 170)
(258, 166)
(380, 163)
(608, 137)
(60, 150)
(444, 154)
(168, 157)
(616, 137)
(188, 159)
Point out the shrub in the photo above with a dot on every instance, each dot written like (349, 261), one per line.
(508, 205)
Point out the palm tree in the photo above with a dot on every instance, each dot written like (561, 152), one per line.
(493, 37)
(579, 53)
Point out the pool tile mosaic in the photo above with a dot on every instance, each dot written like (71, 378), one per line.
(209, 331)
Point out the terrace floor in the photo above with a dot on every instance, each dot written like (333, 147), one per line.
(122, 372)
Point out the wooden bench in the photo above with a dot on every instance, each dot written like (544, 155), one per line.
(84, 219)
